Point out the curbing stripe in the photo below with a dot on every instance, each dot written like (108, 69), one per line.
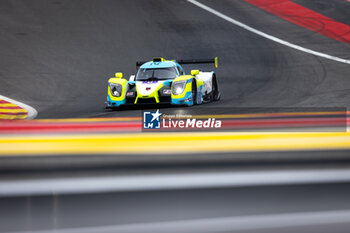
(31, 112)
(170, 143)
(12, 110)
(216, 116)
(267, 36)
(13, 116)
(306, 18)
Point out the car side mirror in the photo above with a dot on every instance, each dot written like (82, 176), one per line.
(118, 75)
(132, 77)
(194, 72)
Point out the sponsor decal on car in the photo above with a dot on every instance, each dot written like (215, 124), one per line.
(167, 91)
(149, 82)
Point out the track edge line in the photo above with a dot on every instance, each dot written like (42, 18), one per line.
(265, 35)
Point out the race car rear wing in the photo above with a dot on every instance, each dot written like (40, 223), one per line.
(183, 61)
(198, 61)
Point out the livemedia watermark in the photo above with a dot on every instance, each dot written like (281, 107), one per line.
(157, 120)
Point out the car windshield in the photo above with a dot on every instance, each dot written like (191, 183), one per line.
(156, 74)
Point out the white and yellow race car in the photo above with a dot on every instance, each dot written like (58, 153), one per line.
(164, 81)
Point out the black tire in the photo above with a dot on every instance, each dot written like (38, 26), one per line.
(214, 95)
(194, 92)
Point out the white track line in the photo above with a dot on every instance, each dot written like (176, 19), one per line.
(267, 36)
(32, 113)
(222, 224)
(170, 181)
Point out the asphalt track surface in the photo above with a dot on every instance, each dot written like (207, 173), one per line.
(58, 55)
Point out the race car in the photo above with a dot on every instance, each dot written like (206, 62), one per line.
(164, 81)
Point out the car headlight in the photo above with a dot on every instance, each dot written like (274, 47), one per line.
(179, 87)
(116, 89)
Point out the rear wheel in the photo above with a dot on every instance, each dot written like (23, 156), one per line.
(194, 92)
(214, 95)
